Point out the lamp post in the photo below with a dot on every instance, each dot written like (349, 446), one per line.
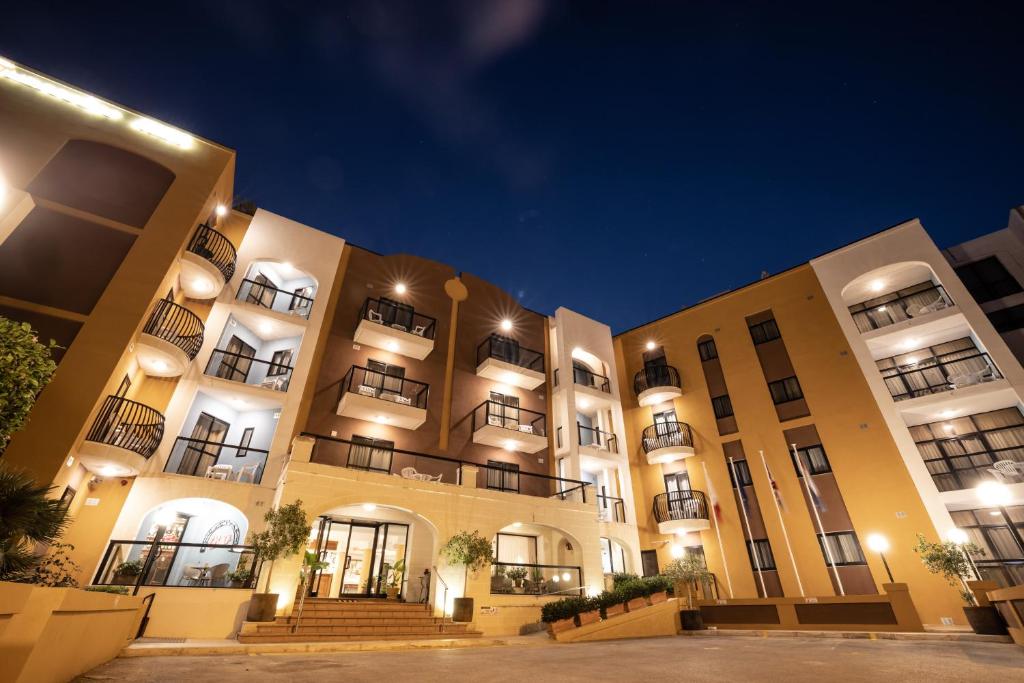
(992, 494)
(879, 544)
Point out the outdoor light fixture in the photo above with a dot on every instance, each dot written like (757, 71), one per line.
(221, 211)
(391, 346)
(677, 550)
(161, 131)
(108, 471)
(516, 525)
(877, 285)
(881, 309)
(879, 544)
(510, 445)
(164, 517)
(566, 576)
(201, 284)
(506, 324)
(993, 494)
(960, 538)
(584, 404)
(369, 507)
(508, 377)
(909, 343)
(159, 365)
(266, 328)
(380, 419)
(650, 346)
(400, 288)
(554, 579)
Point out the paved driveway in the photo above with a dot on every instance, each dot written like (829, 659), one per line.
(717, 659)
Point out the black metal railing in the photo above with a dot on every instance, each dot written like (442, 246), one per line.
(412, 465)
(214, 460)
(376, 384)
(128, 424)
(611, 509)
(398, 316)
(268, 296)
(509, 351)
(895, 307)
(595, 438)
(536, 579)
(238, 367)
(676, 505)
(667, 435)
(655, 376)
(215, 248)
(176, 324)
(517, 419)
(1006, 573)
(586, 378)
(182, 565)
(935, 374)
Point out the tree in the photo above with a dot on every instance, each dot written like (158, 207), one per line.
(29, 517)
(286, 533)
(26, 366)
(55, 569)
(687, 570)
(469, 550)
(949, 560)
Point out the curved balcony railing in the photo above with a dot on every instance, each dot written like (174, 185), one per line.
(667, 435)
(677, 505)
(128, 424)
(176, 324)
(215, 248)
(509, 351)
(656, 376)
(398, 316)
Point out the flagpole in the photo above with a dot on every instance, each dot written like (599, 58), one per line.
(718, 530)
(814, 508)
(746, 520)
(785, 534)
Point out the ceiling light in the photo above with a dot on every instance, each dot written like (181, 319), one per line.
(909, 343)
(287, 267)
(577, 351)
(108, 471)
(221, 210)
(677, 551)
(380, 419)
(912, 360)
(584, 404)
(881, 309)
(165, 517)
(508, 377)
(566, 576)
(400, 288)
(554, 579)
(159, 365)
(947, 428)
(510, 445)
(369, 507)
(266, 328)
(650, 346)
(993, 494)
(947, 413)
(391, 346)
(877, 285)
(506, 324)
(201, 284)
(516, 525)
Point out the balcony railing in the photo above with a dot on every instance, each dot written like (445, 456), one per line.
(399, 317)
(270, 297)
(667, 435)
(328, 450)
(611, 509)
(936, 374)
(595, 438)
(128, 424)
(178, 325)
(515, 418)
(213, 460)
(399, 390)
(184, 565)
(656, 376)
(237, 367)
(586, 378)
(509, 351)
(536, 579)
(895, 307)
(215, 248)
(676, 505)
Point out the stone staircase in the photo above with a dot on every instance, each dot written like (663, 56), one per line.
(326, 619)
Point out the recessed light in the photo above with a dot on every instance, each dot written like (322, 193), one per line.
(266, 328)
(391, 346)
(159, 365)
(584, 404)
(881, 309)
(369, 507)
(222, 210)
(909, 343)
(201, 284)
(650, 346)
(506, 324)
(400, 288)
(380, 419)
(947, 413)
(516, 525)
(877, 285)
(108, 471)
(912, 360)
(508, 377)
(947, 428)
(510, 445)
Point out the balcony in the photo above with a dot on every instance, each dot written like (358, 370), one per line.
(681, 511)
(596, 442)
(395, 327)
(667, 442)
(611, 509)
(909, 303)
(184, 565)
(170, 340)
(265, 295)
(245, 369)
(386, 399)
(214, 460)
(207, 264)
(536, 579)
(509, 427)
(922, 373)
(123, 436)
(656, 384)
(502, 359)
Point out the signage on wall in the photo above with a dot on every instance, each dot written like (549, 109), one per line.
(224, 532)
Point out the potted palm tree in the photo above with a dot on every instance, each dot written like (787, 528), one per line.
(473, 552)
(395, 575)
(949, 560)
(686, 572)
(287, 531)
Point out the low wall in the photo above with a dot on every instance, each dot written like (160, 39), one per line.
(1010, 603)
(507, 615)
(198, 613)
(55, 634)
(652, 621)
(893, 610)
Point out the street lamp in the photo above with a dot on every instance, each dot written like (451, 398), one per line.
(879, 544)
(992, 494)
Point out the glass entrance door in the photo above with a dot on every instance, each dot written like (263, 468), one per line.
(359, 557)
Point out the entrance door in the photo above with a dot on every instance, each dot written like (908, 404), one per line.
(204, 446)
(680, 502)
(359, 555)
(236, 360)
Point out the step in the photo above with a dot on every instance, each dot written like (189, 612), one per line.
(352, 631)
(360, 621)
(298, 638)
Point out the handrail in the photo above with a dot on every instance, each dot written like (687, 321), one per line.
(655, 376)
(215, 248)
(594, 380)
(893, 307)
(666, 435)
(675, 505)
(250, 291)
(498, 414)
(599, 439)
(618, 507)
(216, 362)
(381, 385)
(106, 572)
(176, 324)
(128, 424)
(214, 453)
(948, 381)
(399, 316)
(508, 350)
(444, 599)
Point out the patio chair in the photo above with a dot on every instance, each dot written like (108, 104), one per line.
(1003, 469)
(219, 472)
(915, 311)
(248, 471)
(967, 379)
(375, 317)
(192, 575)
(419, 330)
(215, 577)
(411, 473)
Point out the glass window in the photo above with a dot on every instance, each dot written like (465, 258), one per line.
(366, 453)
(763, 551)
(764, 332)
(812, 459)
(502, 476)
(785, 390)
(613, 556)
(742, 471)
(722, 405)
(707, 349)
(844, 548)
(516, 549)
(988, 279)
(280, 363)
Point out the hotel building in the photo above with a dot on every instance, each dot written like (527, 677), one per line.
(218, 360)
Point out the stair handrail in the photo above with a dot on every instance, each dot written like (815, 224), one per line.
(444, 602)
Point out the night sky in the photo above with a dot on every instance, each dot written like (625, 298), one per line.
(621, 159)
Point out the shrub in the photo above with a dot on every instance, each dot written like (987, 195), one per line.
(949, 561)
(240, 575)
(567, 608)
(26, 366)
(630, 590)
(129, 568)
(658, 583)
(622, 577)
(56, 569)
(118, 590)
(516, 573)
(286, 533)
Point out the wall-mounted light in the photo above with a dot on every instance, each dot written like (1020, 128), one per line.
(506, 325)
(369, 507)
(400, 288)
(391, 346)
(677, 550)
(221, 211)
(650, 346)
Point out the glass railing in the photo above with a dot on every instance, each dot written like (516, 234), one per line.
(936, 374)
(509, 351)
(595, 438)
(270, 297)
(183, 565)
(906, 304)
(517, 419)
(398, 316)
(237, 367)
(381, 385)
(586, 378)
(535, 579)
(213, 460)
(611, 509)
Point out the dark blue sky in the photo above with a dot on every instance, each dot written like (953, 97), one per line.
(622, 159)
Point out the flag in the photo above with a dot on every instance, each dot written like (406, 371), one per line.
(775, 487)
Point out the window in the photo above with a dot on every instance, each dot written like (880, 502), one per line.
(649, 560)
(762, 550)
(785, 390)
(988, 279)
(502, 476)
(236, 360)
(707, 349)
(1000, 555)
(123, 387)
(722, 406)
(742, 471)
(679, 481)
(281, 363)
(384, 377)
(812, 459)
(301, 298)
(1008, 319)
(261, 291)
(366, 453)
(515, 548)
(243, 443)
(613, 556)
(764, 332)
(844, 547)
(503, 411)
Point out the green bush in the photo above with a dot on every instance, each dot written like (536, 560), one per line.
(622, 577)
(637, 588)
(658, 583)
(567, 608)
(118, 590)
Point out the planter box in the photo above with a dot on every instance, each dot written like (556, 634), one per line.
(561, 625)
(635, 604)
(657, 598)
(591, 617)
(615, 610)
(986, 620)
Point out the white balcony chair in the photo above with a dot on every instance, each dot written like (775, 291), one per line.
(526, 429)
(400, 327)
(248, 471)
(1003, 469)
(494, 420)
(419, 330)
(915, 311)
(967, 379)
(366, 390)
(403, 400)
(219, 472)
(375, 317)
(411, 473)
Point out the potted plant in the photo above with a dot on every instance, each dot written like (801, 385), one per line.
(127, 573)
(685, 572)
(239, 577)
(395, 575)
(949, 560)
(562, 615)
(287, 531)
(473, 552)
(612, 604)
(634, 593)
(659, 587)
(537, 580)
(518, 575)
